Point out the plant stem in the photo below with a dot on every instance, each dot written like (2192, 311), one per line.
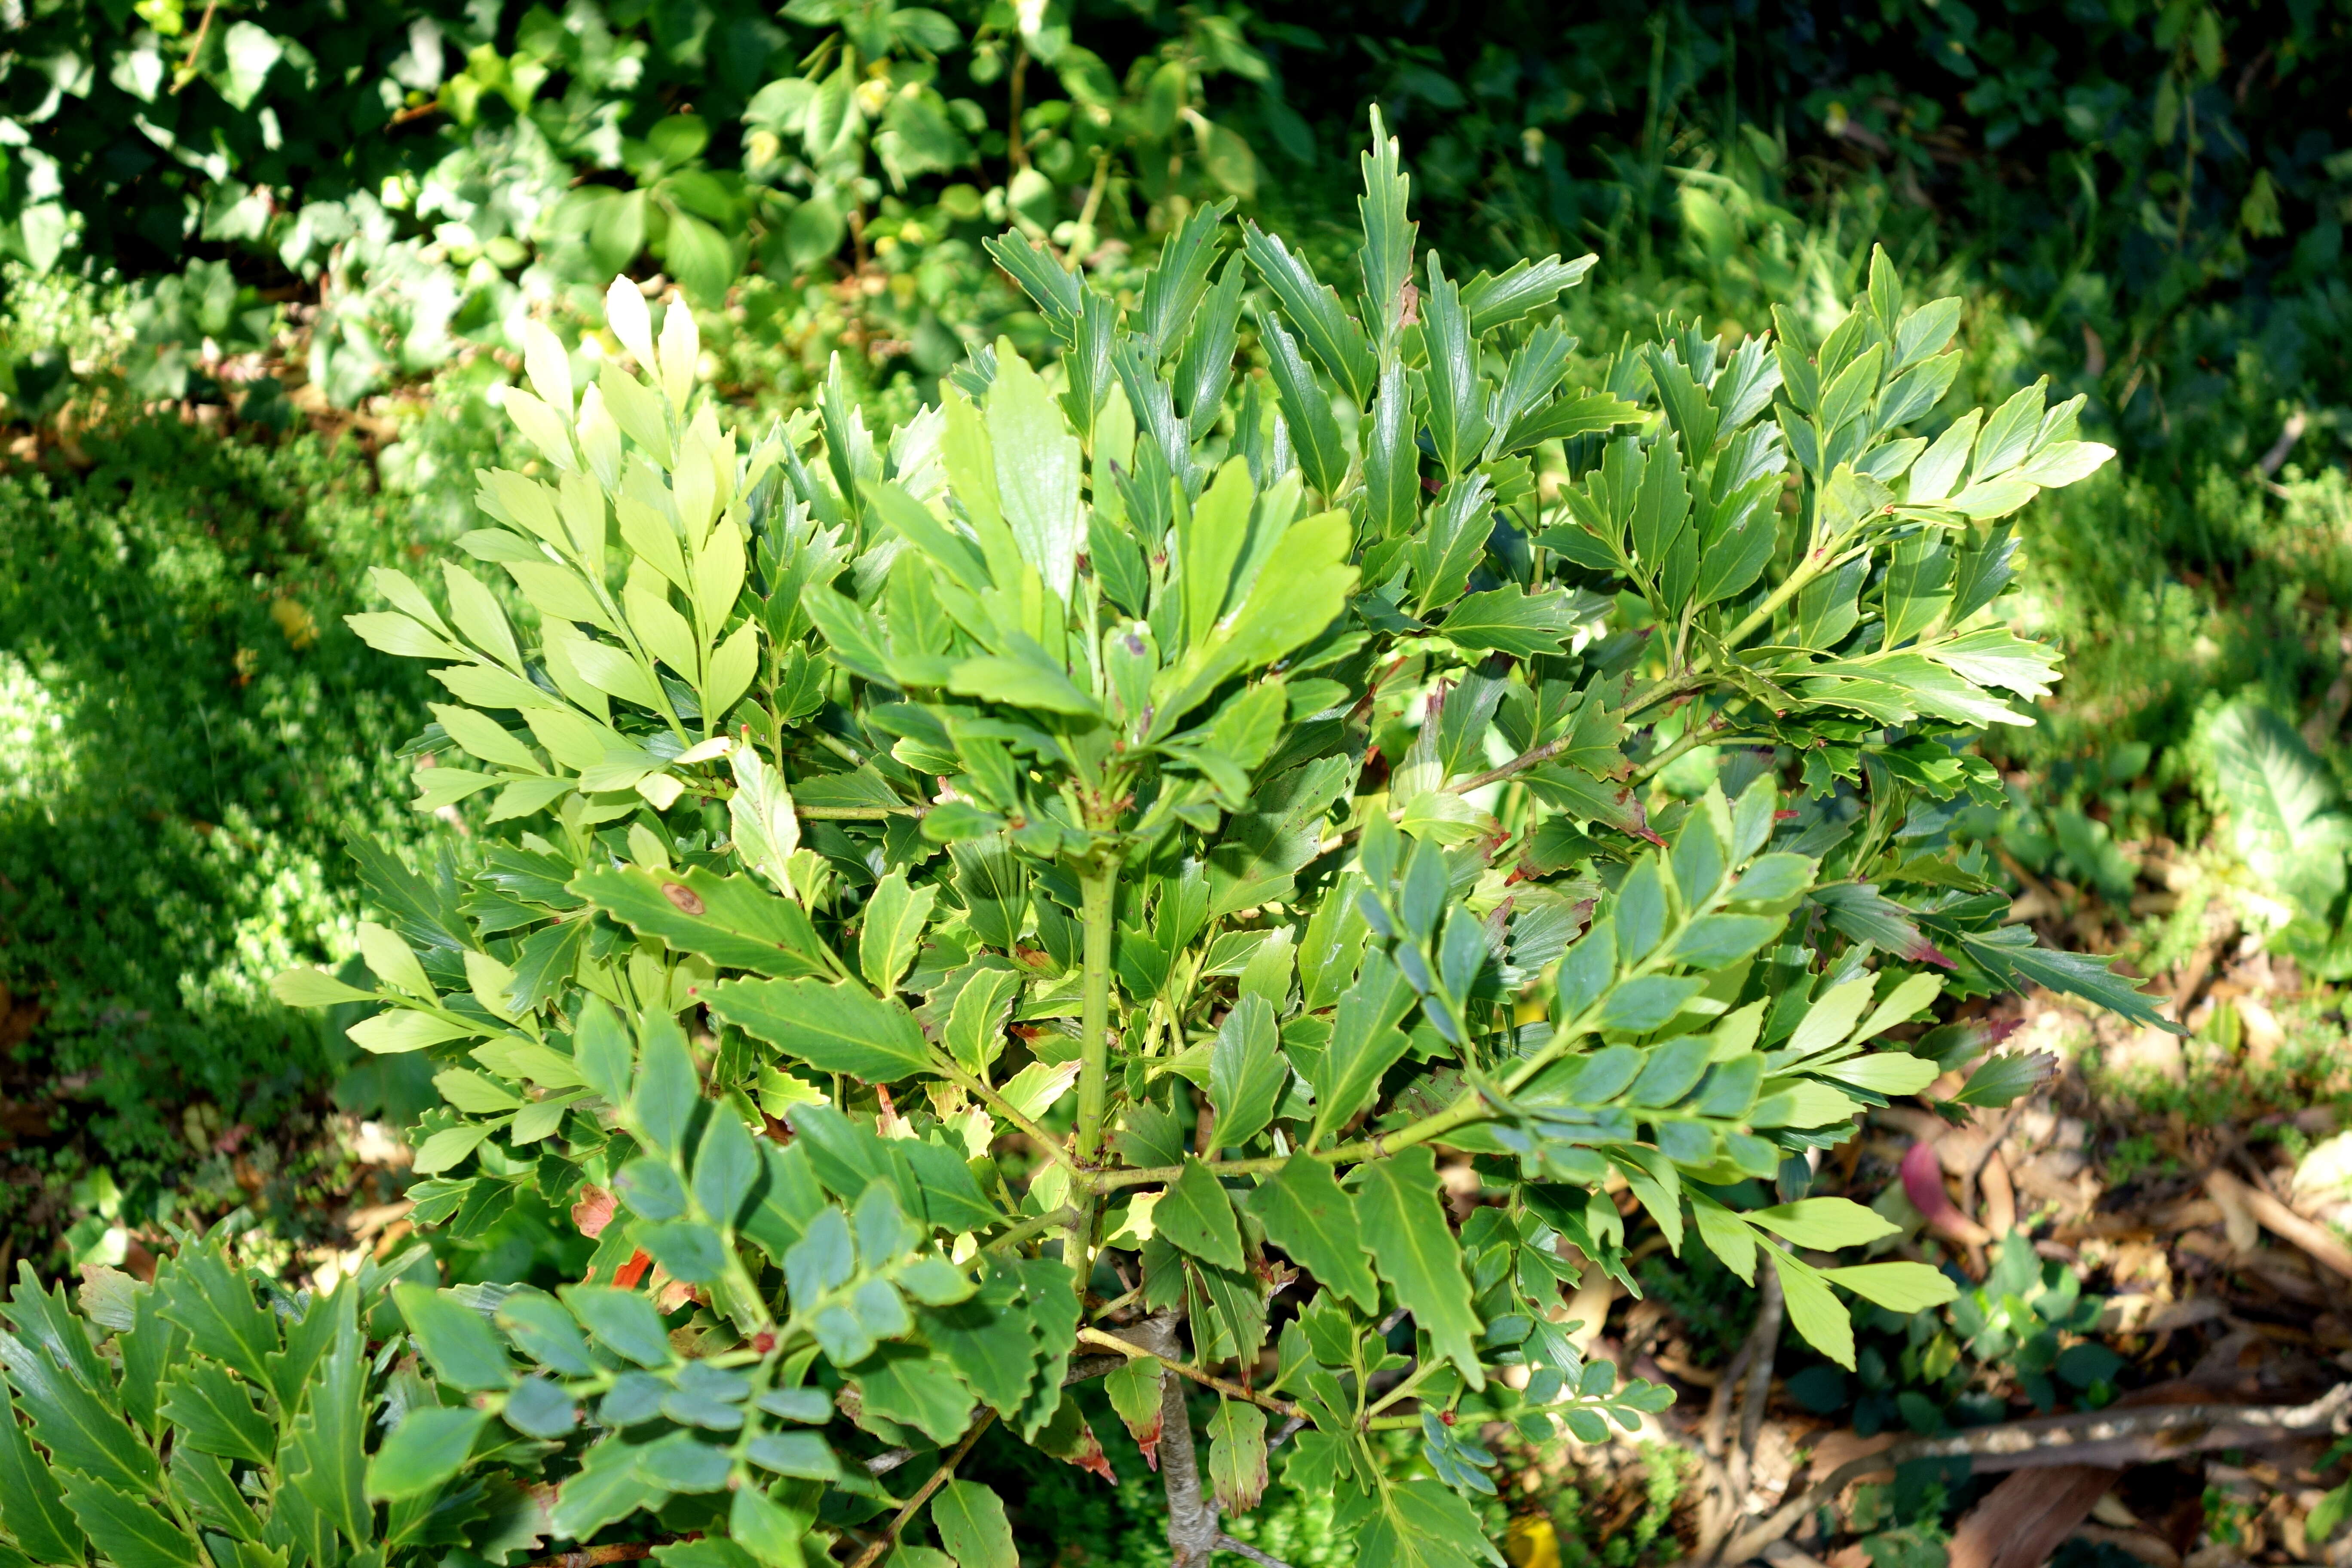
(1097, 1338)
(1099, 888)
(1033, 1226)
(1815, 562)
(955, 1074)
(1468, 1108)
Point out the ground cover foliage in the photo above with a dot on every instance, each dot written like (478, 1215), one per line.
(2142, 205)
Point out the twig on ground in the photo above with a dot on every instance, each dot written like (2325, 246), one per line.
(2314, 1239)
(2106, 1439)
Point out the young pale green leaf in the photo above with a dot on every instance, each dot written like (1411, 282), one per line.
(1727, 1234)
(1814, 1311)
(1890, 1073)
(1897, 1286)
(1825, 1224)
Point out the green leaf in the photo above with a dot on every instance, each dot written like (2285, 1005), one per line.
(1824, 1224)
(1247, 1072)
(1814, 1312)
(773, 1533)
(731, 920)
(31, 1507)
(1308, 1215)
(662, 1106)
(129, 1532)
(1237, 1455)
(1511, 620)
(606, 1489)
(972, 1524)
(1897, 1286)
(1134, 1388)
(2286, 811)
(2004, 1079)
(893, 930)
(1038, 465)
(424, 1450)
(687, 1248)
(205, 1481)
(1330, 334)
(2013, 957)
(454, 1337)
(841, 1028)
(212, 1413)
(1365, 1043)
(1196, 1213)
(324, 1455)
(902, 1384)
(1398, 1201)
(725, 1167)
(543, 1331)
(1727, 1236)
(602, 1050)
(208, 1295)
(621, 1321)
(987, 1339)
(82, 1429)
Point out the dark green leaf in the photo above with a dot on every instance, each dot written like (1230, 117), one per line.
(424, 1450)
(973, 1527)
(455, 1339)
(129, 1532)
(324, 1458)
(31, 1507)
(1308, 1216)
(1398, 1201)
(841, 1028)
(621, 1321)
(731, 920)
(213, 1413)
(2004, 1079)
(1196, 1213)
(912, 1385)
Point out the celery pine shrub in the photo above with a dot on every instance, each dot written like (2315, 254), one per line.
(1036, 897)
